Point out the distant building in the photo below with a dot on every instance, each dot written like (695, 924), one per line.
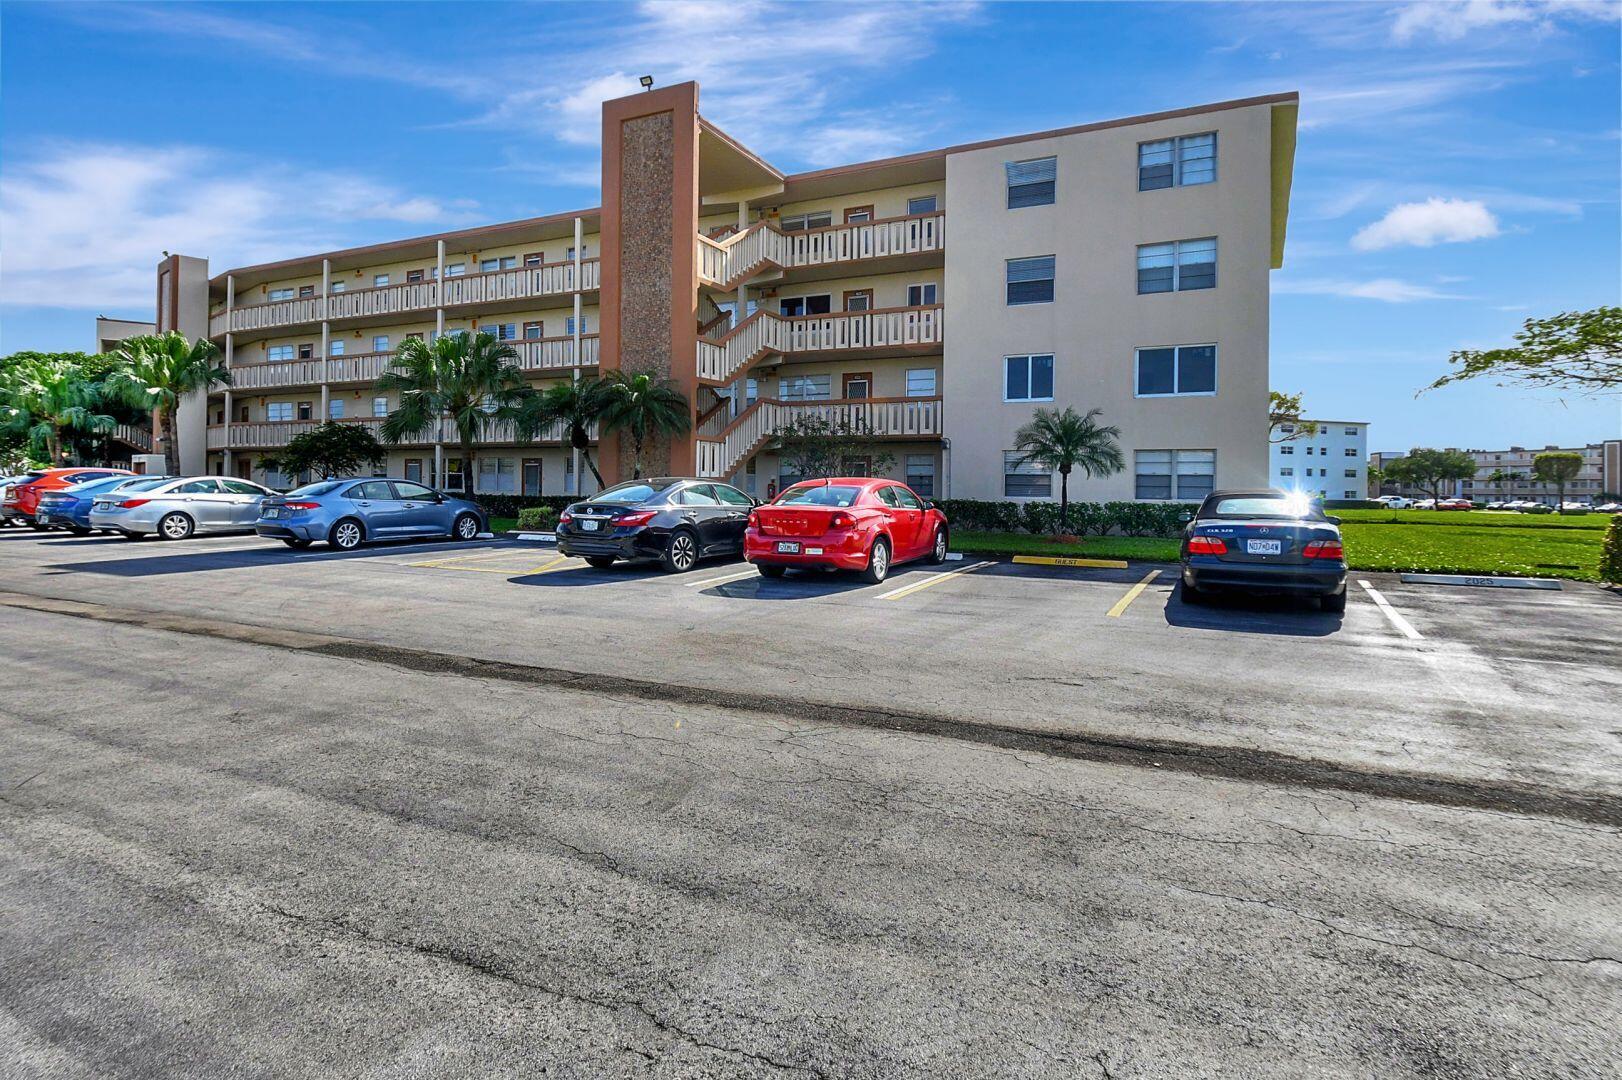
(1328, 463)
(111, 333)
(1506, 475)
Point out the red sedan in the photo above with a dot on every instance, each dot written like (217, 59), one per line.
(851, 523)
(23, 502)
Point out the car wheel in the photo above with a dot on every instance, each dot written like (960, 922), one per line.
(346, 535)
(681, 553)
(878, 562)
(601, 562)
(176, 526)
(466, 527)
(937, 550)
(295, 542)
(1333, 602)
(770, 571)
(1191, 594)
(78, 530)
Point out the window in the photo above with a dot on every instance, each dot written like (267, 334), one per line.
(335, 409)
(568, 326)
(413, 469)
(1030, 281)
(1023, 479)
(920, 382)
(306, 410)
(1351, 451)
(406, 490)
(380, 343)
(1288, 429)
(859, 300)
(498, 476)
(1351, 431)
(815, 219)
(455, 269)
(805, 387)
(335, 347)
(920, 295)
(379, 280)
(1348, 495)
(279, 352)
(921, 474)
(281, 294)
(380, 406)
(243, 487)
(503, 262)
(1174, 371)
(1180, 266)
(858, 215)
(1187, 159)
(337, 286)
(533, 330)
(279, 410)
(1287, 449)
(1175, 474)
(306, 291)
(198, 487)
(306, 352)
(569, 255)
(500, 331)
(414, 277)
(534, 258)
(1028, 378)
(731, 496)
(806, 305)
(1031, 183)
(921, 204)
(1286, 470)
(372, 489)
(1351, 474)
(697, 495)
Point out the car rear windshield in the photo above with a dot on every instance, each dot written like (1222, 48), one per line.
(637, 491)
(1267, 506)
(320, 487)
(145, 485)
(819, 495)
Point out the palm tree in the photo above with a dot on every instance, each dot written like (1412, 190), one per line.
(644, 406)
(1066, 440)
(43, 398)
(574, 406)
(155, 371)
(472, 380)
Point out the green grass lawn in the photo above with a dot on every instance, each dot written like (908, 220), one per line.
(499, 525)
(1150, 548)
(1488, 519)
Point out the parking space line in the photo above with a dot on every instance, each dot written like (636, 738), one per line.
(931, 580)
(1132, 594)
(723, 579)
(1403, 625)
(478, 556)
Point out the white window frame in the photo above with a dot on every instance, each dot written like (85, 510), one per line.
(335, 347)
(278, 295)
(1030, 165)
(1177, 369)
(934, 204)
(801, 222)
(1053, 373)
(335, 408)
(379, 281)
(799, 383)
(1177, 247)
(924, 288)
(380, 343)
(934, 382)
(1025, 468)
(380, 406)
(1176, 494)
(336, 287)
(1178, 159)
(279, 354)
(274, 411)
(1053, 282)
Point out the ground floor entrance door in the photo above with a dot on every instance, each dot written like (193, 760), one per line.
(532, 476)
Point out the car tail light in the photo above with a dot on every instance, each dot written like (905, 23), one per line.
(1324, 549)
(641, 517)
(131, 504)
(565, 517)
(754, 520)
(301, 506)
(1206, 545)
(841, 521)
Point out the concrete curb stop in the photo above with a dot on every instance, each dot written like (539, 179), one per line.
(1482, 581)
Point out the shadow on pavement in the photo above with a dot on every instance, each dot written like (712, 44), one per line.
(177, 557)
(1290, 616)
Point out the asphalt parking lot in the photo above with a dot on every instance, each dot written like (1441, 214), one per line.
(504, 811)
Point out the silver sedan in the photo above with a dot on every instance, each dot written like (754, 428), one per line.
(181, 508)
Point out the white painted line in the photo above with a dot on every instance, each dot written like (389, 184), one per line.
(1403, 625)
(932, 579)
(334, 553)
(723, 579)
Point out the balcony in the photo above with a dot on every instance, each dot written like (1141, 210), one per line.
(274, 434)
(497, 286)
(720, 450)
(534, 354)
(727, 263)
(838, 334)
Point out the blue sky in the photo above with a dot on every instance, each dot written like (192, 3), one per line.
(1457, 170)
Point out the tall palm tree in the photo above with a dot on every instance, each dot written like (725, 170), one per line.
(472, 380)
(155, 371)
(574, 406)
(42, 398)
(645, 406)
(1065, 440)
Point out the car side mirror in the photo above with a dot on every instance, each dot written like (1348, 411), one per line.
(929, 504)
(1332, 519)
(439, 499)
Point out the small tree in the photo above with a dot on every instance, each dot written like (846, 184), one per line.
(574, 406)
(156, 371)
(329, 451)
(1284, 411)
(645, 407)
(1575, 350)
(43, 398)
(1559, 468)
(1428, 469)
(1064, 441)
(814, 444)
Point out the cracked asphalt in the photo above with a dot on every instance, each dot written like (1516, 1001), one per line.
(248, 827)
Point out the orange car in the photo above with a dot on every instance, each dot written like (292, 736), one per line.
(22, 498)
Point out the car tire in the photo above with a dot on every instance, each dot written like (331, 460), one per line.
(937, 547)
(601, 562)
(176, 526)
(878, 562)
(681, 552)
(347, 534)
(1334, 603)
(295, 542)
(465, 527)
(770, 571)
(1192, 594)
(79, 530)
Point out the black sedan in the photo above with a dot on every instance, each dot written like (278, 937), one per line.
(676, 520)
(1263, 542)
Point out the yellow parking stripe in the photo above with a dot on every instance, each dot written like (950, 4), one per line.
(932, 580)
(522, 571)
(1062, 560)
(475, 556)
(1132, 594)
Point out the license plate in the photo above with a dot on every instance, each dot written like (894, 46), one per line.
(788, 547)
(1264, 547)
(589, 526)
(273, 511)
(104, 506)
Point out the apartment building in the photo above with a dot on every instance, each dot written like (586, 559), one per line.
(1322, 457)
(1121, 265)
(1506, 475)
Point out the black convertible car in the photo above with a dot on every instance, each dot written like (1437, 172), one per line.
(676, 520)
(1264, 541)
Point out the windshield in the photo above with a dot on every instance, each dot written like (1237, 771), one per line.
(1267, 506)
(320, 487)
(97, 484)
(819, 495)
(145, 485)
(635, 491)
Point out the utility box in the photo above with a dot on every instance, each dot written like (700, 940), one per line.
(147, 464)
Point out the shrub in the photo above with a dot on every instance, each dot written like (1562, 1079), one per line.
(1353, 504)
(510, 505)
(542, 518)
(1042, 518)
(1610, 556)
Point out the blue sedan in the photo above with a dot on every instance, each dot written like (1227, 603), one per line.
(348, 513)
(70, 508)
(1264, 541)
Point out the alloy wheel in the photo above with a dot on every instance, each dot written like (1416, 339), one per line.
(940, 546)
(176, 527)
(346, 535)
(467, 527)
(879, 561)
(682, 552)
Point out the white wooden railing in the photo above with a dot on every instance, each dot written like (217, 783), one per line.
(265, 434)
(891, 418)
(726, 262)
(138, 437)
(763, 333)
(534, 354)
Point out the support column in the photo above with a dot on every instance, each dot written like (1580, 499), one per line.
(326, 345)
(439, 331)
(183, 301)
(743, 214)
(579, 252)
(230, 357)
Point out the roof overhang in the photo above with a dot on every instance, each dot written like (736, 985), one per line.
(726, 167)
(1284, 123)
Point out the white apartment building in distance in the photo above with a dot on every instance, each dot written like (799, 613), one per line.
(1329, 463)
(933, 300)
(1506, 475)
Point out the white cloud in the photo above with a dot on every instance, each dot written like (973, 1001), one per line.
(1452, 20)
(1426, 224)
(1386, 290)
(85, 225)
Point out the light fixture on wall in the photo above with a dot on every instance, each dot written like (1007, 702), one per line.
(646, 81)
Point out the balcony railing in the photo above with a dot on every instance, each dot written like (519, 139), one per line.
(519, 283)
(138, 437)
(725, 263)
(534, 354)
(271, 434)
(895, 418)
(764, 333)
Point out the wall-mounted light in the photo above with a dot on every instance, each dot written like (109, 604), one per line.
(646, 81)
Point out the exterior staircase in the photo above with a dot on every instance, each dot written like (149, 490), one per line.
(724, 444)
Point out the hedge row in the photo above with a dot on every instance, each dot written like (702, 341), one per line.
(1098, 519)
(1610, 555)
(543, 518)
(508, 506)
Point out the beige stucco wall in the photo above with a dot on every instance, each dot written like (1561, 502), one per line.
(1097, 318)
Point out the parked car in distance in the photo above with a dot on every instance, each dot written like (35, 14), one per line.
(180, 508)
(1609, 508)
(22, 500)
(349, 513)
(70, 508)
(1394, 502)
(674, 519)
(1455, 504)
(845, 523)
(7, 519)
(1571, 506)
(1263, 541)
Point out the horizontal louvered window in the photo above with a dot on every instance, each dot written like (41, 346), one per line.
(1030, 281)
(1188, 159)
(1177, 267)
(1031, 183)
(1023, 478)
